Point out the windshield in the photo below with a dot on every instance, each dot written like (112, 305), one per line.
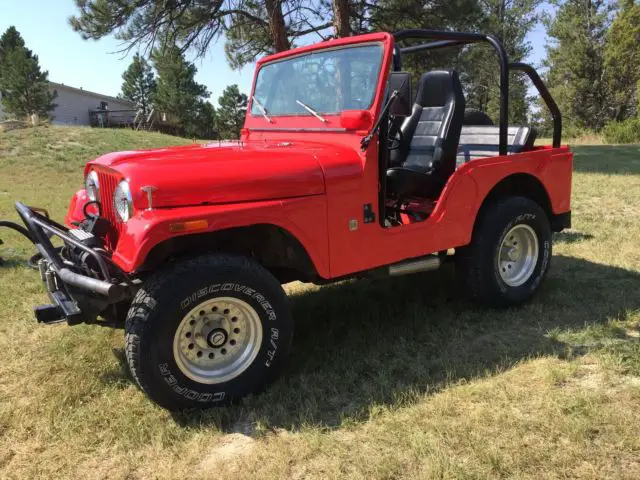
(326, 81)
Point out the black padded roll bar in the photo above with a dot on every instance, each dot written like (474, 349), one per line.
(442, 39)
(448, 39)
(546, 96)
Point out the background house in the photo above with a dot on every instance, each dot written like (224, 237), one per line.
(76, 106)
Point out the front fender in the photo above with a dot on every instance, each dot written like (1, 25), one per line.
(75, 212)
(304, 218)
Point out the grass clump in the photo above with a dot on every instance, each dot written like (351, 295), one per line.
(392, 378)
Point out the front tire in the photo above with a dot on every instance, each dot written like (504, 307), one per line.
(207, 331)
(509, 254)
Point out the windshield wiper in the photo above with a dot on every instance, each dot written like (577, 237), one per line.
(262, 109)
(312, 111)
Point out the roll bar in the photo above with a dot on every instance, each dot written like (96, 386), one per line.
(546, 96)
(444, 39)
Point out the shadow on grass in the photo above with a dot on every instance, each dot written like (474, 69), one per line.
(122, 377)
(610, 159)
(363, 344)
(11, 262)
(571, 236)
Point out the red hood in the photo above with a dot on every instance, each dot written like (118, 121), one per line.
(223, 172)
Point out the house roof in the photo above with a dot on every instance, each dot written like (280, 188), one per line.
(95, 94)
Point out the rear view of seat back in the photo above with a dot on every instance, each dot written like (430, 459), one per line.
(483, 141)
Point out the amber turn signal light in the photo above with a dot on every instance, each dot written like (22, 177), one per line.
(189, 226)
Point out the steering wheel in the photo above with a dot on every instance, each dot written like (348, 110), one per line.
(396, 137)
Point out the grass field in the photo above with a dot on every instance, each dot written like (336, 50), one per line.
(388, 379)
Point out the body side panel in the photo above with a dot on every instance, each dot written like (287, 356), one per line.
(451, 223)
(304, 218)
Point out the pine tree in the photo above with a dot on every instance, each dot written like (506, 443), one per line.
(252, 28)
(231, 112)
(622, 60)
(23, 86)
(177, 92)
(10, 40)
(393, 15)
(575, 61)
(139, 84)
(512, 21)
(205, 121)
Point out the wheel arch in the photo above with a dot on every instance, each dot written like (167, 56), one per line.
(274, 247)
(517, 185)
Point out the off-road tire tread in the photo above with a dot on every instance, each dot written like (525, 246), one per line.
(136, 319)
(471, 260)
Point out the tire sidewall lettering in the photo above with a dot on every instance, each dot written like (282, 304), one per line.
(188, 393)
(184, 387)
(211, 290)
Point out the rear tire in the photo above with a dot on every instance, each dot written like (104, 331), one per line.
(509, 254)
(207, 331)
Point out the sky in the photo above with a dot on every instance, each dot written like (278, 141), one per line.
(96, 65)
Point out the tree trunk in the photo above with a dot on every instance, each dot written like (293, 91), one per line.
(341, 18)
(277, 27)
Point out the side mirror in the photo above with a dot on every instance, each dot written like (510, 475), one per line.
(355, 119)
(401, 82)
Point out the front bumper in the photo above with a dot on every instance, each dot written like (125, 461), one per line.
(76, 296)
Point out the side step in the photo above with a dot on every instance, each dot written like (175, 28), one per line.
(415, 265)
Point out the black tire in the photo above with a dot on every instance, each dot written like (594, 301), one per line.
(477, 263)
(160, 306)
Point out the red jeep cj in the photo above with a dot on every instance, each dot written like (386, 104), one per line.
(340, 172)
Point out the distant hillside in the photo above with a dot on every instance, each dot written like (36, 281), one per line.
(68, 148)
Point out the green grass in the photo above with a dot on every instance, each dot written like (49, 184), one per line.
(390, 378)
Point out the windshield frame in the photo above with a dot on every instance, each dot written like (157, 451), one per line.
(374, 96)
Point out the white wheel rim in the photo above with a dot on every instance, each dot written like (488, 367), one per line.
(518, 255)
(217, 340)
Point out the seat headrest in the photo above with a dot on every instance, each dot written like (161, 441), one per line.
(437, 88)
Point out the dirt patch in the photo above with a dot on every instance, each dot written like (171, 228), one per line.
(231, 447)
(594, 377)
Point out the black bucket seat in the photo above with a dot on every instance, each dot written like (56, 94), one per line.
(426, 155)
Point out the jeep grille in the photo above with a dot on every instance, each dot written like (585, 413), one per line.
(108, 183)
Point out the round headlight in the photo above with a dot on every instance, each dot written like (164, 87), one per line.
(122, 201)
(92, 186)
